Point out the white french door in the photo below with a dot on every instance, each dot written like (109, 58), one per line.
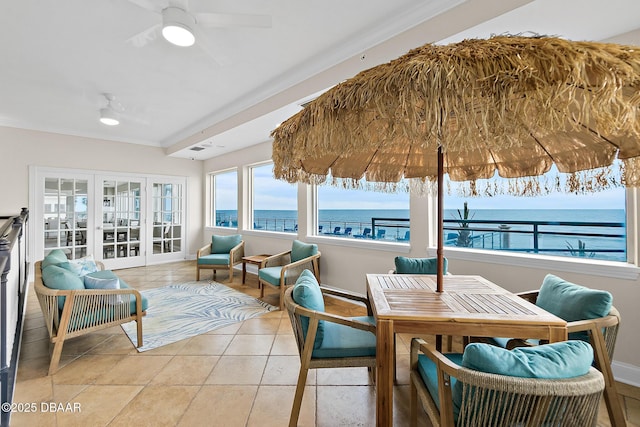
(122, 220)
(120, 233)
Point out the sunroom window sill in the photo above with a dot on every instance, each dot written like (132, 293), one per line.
(588, 266)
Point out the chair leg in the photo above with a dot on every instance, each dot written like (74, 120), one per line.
(282, 288)
(197, 273)
(413, 405)
(55, 357)
(297, 400)
(139, 328)
(231, 274)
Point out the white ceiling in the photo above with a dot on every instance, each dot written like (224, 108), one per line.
(235, 85)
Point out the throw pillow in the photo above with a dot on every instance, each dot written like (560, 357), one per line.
(406, 265)
(56, 277)
(224, 244)
(83, 266)
(92, 282)
(54, 257)
(301, 250)
(307, 293)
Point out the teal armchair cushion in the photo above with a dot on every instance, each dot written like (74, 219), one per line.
(214, 259)
(573, 302)
(307, 293)
(224, 244)
(406, 265)
(344, 341)
(301, 250)
(270, 275)
(56, 277)
(566, 359)
(54, 257)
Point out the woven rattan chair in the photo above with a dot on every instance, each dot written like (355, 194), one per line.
(499, 400)
(282, 270)
(84, 311)
(306, 344)
(229, 252)
(602, 333)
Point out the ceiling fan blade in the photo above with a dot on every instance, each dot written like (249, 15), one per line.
(150, 5)
(145, 37)
(212, 49)
(224, 20)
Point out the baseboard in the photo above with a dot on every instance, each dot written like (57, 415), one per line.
(626, 373)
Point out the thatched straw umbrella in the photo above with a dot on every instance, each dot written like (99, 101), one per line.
(509, 104)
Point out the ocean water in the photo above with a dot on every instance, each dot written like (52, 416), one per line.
(522, 230)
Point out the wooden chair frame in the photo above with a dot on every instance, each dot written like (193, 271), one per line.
(602, 332)
(294, 268)
(235, 257)
(77, 316)
(496, 400)
(305, 347)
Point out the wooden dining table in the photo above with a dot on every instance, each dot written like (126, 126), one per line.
(468, 306)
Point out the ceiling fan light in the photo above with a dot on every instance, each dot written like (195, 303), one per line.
(108, 117)
(176, 27)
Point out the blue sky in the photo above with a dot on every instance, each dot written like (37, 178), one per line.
(275, 194)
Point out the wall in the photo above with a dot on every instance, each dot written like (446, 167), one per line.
(20, 149)
(345, 265)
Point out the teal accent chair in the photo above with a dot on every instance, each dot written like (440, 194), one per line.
(327, 340)
(554, 385)
(222, 253)
(405, 265)
(283, 269)
(590, 317)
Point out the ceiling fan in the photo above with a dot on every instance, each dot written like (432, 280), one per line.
(183, 27)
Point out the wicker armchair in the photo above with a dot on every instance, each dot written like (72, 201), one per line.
(602, 333)
(283, 269)
(227, 253)
(84, 311)
(308, 357)
(499, 400)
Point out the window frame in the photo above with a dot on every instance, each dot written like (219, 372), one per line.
(211, 182)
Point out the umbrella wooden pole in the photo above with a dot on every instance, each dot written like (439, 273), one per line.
(440, 227)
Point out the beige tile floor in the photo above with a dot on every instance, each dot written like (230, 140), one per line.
(241, 375)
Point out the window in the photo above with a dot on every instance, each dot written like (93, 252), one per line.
(274, 202)
(363, 214)
(224, 186)
(65, 207)
(586, 226)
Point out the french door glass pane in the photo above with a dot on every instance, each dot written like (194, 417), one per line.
(167, 218)
(121, 219)
(65, 216)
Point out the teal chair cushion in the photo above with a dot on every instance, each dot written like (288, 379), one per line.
(224, 244)
(406, 265)
(307, 293)
(344, 341)
(270, 275)
(56, 277)
(573, 302)
(567, 359)
(54, 257)
(428, 373)
(301, 250)
(214, 259)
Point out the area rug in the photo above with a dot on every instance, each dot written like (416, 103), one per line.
(181, 311)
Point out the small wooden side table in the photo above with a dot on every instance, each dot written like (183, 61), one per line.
(252, 259)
